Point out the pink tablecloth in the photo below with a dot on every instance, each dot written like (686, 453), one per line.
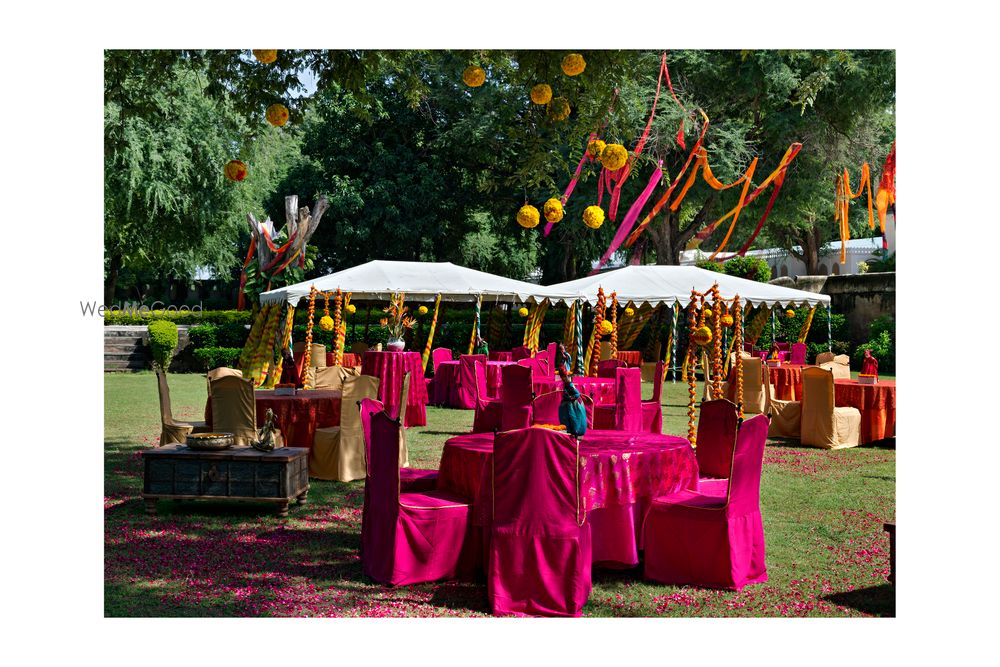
(630, 357)
(297, 416)
(501, 355)
(602, 390)
(620, 473)
(389, 368)
(876, 402)
(350, 359)
(446, 381)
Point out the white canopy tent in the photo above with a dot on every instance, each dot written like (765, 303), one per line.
(661, 284)
(420, 281)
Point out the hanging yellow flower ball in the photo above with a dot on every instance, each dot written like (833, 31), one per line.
(708, 312)
(474, 76)
(727, 320)
(629, 312)
(789, 313)
(522, 311)
(595, 148)
(235, 170)
(527, 217)
(541, 93)
(422, 310)
(606, 327)
(573, 64)
(266, 56)
(558, 109)
(702, 336)
(326, 323)
(593, 217)
(351, 309)
(277, 114)
(553, 210)
(614, 156)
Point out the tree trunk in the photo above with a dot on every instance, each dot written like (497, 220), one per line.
(111, 282)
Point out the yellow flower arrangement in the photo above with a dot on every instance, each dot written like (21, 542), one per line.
(351, 308)
(593, 217)
(422, 310)
(727, 320)
(629, 312)
(708, 312)
(266, 56)
(558, 109)
(595, 148)
(235, 170)
(474, 76)
(614, 157)
(606, 327)
(277, 114)
(541, 93)
(789, 313)
(573, 64)
(326, 323)
(527, 216)
(702, 335)
(522, 311)
(553, 210)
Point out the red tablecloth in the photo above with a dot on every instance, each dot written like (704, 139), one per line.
(602, 390)
(501, 355)
(350, 359)
(389, 368)
(786, 381)
(876, 402)
(297, 416)
(446, 381)
(630, 357)
(620, 473)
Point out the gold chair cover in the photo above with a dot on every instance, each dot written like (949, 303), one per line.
(233, 408)
(786, 416)
(338, 452)
(823, 424)
(172, 430)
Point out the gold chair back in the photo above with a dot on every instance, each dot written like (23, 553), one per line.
(233, 408)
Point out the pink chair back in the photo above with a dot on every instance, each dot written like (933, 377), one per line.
(552, 350)
(545, 408)
(381, 511)
(607, 368)
(540, 549)
(516, 396)
(718, 423)
(783, 347)
(439, 354)
(368, 407)
(467, 379)
(798, 353)
(540, 365)
(748, 459)
(521, 352)
(628, 399)
(658, 381)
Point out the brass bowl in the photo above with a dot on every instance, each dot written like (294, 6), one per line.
(209, 441)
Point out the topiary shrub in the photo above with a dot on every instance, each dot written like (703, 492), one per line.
(163, 341)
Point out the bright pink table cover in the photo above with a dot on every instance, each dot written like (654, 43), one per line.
(630, 357)
(389, 368)
(602, 390)
(297, 416)
(501, 355)
(446, 381)
(620, 473)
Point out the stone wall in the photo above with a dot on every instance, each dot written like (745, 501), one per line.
(861, 298)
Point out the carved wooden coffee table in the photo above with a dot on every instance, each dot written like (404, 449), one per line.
(240, 473)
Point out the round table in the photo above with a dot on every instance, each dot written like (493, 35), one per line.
(296, 416)
(389, 368)
(786, 381)
(446, 381)
(876, 402)
(620, 473)
(601, 390)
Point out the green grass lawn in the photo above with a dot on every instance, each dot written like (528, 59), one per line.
(823, 513)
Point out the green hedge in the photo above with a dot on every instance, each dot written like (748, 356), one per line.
(216, 357)
(120, 318)
(163, 341)
(218, 335)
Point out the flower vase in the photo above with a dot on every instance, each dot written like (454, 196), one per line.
(395, 345)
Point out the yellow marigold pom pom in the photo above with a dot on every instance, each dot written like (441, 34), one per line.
(527, 217)
(235, 170)
(708, 312)
(553, 210)
(702, 336)
(277, 114)
(522, 311)
(422, 310)
(606, 327)
(614, 156)
(558, 109)
(474, 76)
(593, 217)
(326, 323)
(727, 320)
(351, 309)
(573, 64)
(595, 148)
(266, 56)
(789, 313)
(629, 312)
(541, 93)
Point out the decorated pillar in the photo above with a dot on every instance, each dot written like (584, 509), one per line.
(578, 368)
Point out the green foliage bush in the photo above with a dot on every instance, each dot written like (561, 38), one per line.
(163, 341)
(215, 357)
(218, 335)
(710, 266)
(882, 343)
(121, 318)
(751, 268)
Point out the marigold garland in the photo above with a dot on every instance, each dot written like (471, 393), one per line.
(541, 93)
(595, 347)
(338, 301)
(266, 56)
(573, 64)
(614, 325)
(614, 157)
(276, 114)
(690, 361)
(528, 216)
(307, 351)
(558, 109)
(474, 76)
(716, 344)
(595, 148)
(235, 170)
(738, 346)
(593, 217)
(553, 210)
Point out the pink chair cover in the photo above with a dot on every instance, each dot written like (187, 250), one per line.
(406, 538)
(520, 352)
(607, 368)
(718, 422)
(516, 397)
(466, 394)
(552, 351)
(439, 354)
(710, 540)
(410, 479)
(540, 550)
(783, 347)
(540, 365)
(545, 408)
(628, 403)
(798, 353)
(652, 411)
(488, 410)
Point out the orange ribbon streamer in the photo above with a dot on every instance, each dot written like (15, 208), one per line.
(842, 203)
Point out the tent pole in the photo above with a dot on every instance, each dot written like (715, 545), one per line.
(829, 330)
(773, 339)
(579, 337)
(673, 354)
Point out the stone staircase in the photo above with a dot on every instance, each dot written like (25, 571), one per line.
(126, 348)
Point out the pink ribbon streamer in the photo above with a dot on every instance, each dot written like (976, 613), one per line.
(633, 214)
(572, 183)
